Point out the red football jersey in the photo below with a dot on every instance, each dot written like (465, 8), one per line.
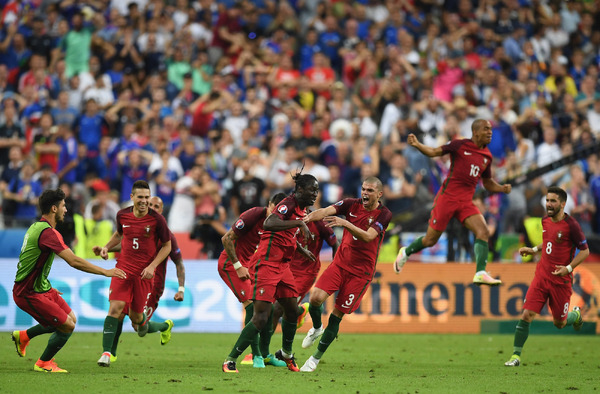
(248, 228)
(353, 255)
(141, 237)
(318, 233)
(281, 245)
(468, 165)
(558, 246)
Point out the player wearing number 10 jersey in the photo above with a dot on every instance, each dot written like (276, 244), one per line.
(552, 283)
(471, 161)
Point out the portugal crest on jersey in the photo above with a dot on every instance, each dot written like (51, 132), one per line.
(239, 224)
(147, 231)
(282, 209)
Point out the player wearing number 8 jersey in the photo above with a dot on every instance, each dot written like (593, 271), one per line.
(471, 161)
(353, 266)
(553, 279)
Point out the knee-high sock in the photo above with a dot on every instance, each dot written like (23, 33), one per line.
(264, 340)
(55, 343)
(156, 326)
(38, 330)
(254, 343)
(328, 336)
(481, 254)
(118, 332)
(109, 332)
(315, 314)
(247, 335)
(288, 330)
(521, 334)
(415, 246)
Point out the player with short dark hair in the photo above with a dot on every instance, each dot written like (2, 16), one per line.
(140, 230)
(270, 267)
(471, 161)
(352, 269)
(553, 279)
(32, 291)
(239, 244)
(158, 287)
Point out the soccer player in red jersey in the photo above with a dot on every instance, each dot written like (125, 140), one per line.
(239, 245)
(140, 230)
(553, 279)
(353, 266)
(471, 161)
(158, 288)
(270, 268)
(32, 291)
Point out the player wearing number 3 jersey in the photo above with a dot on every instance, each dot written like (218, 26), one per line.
(471, 161)
(353, 265)
(553, 278)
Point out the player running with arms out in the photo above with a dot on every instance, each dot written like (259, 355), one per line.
(158, 288)
(353, 266)
(471, 161)
(239, 245)
(270, 268)
(140, 230)
(32, 291)
(553, 279)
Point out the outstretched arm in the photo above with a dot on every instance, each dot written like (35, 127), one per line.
(492, 186)
(180, 278)
(364, 235)
(424, 149)
(85, 266)
(319, 214)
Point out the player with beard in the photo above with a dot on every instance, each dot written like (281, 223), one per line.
(270, 268)
(553, 279)
(352, 269)
(471, 161)
(32, 291)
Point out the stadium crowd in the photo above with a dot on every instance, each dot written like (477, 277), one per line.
(216, 102)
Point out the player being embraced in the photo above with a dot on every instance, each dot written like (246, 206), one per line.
(239, 244)
(140, 230)
(158, 288)
(553, 279)
(270, 268)
(353, 266)
(471, 161)
(33, 292)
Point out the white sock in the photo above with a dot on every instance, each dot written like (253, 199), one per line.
(315, 360)
(285, 355)
(480, 273)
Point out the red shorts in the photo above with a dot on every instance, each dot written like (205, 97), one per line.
(304, 281)
(240, 288)
(273, 280)
(557, 295)
(444, 210)
(134, 290)
(351, 287)
(49, 308)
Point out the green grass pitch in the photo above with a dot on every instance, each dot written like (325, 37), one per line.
(191, 363)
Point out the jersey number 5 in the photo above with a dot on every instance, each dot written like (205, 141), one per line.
(136, 245)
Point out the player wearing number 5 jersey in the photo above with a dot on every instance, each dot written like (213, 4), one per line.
(353, 266)
(471, 161)
(140, 230)
(553, 280)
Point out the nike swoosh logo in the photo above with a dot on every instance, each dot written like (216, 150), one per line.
(238, 349)
(126, 225)
(322, 343)
(353, 215)
(543, 231)
(109, 332)
(260, 233)
(468, 153)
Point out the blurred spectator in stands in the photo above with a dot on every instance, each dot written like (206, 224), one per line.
(339, 106)
(549, 152)
(11, 133)
(163, 173)
(320, 75)
(101, 197)
(10, 171)
(90, 126)
(45, 147)
(248, 190)
(578, 189)
(210, 216)
(512, 217)
(76, 45)
(24, 191)
(226, 31)
(66, 228)
(284, 163)
(187, 190)
(46, 177)
(68, 158)
(63, 113)
(203, 110)
(400, 187)
(133, 165)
